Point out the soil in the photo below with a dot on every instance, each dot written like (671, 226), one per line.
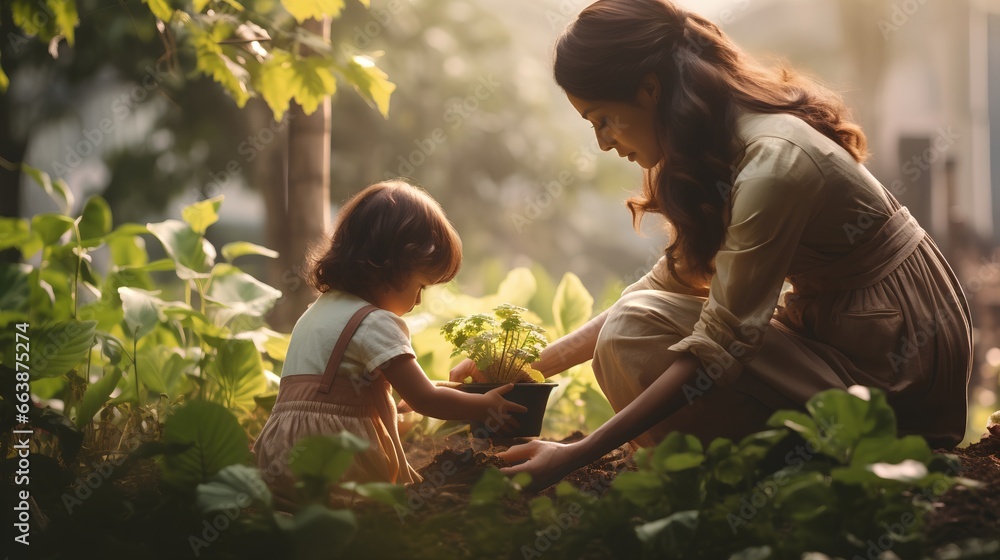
(964, 513)
(960, 513)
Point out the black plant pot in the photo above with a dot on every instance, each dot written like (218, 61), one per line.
(534, 396)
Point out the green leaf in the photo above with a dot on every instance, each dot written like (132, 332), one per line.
(216, 439)
(242, 300)
(202, 214)
(236, 374)
(95, 221)
(318, 532)
(302, 10)
(214, 63)
(683, 461)
(50, 227)
(642, 487)
(384, 492)
(193, 254)
(843, 419)
(161, 9)
(372, 83)
(232, 489)
(675, 533)
(313, 81)
(58, 190)
(15, 292)
(58, 347)
(273, 80)
(142, 310)
(573, 305)
(14, 232)
(97, 395)
(240, 248)
(491, 488)
(323, 459)
(517, 287)
(66, 17)
(880, 450)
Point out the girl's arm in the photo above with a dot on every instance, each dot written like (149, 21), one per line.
(548, 462)
(574, 348)
(405, 375)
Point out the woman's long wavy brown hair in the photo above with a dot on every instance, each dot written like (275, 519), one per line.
(613, 45)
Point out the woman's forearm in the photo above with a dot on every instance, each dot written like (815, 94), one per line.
(574, 348)
(662, 398)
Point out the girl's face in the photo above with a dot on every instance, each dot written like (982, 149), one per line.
(403, 300)
(629, 128)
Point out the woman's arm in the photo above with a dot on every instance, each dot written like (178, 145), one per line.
(574, 348)
(549, 462)
(405, 375)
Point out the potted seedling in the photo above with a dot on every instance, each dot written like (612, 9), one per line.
(503, 345)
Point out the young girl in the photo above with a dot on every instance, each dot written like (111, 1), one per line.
(391, 240)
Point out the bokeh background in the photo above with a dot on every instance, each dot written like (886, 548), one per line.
(478, 121)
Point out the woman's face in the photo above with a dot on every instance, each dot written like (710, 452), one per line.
(628, 128)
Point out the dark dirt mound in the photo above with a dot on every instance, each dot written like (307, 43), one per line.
(970, 512)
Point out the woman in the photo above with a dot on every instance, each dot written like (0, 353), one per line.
(760, 175)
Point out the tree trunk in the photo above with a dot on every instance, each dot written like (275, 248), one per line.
(296, 176)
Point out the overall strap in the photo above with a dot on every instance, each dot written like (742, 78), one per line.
(338, 351)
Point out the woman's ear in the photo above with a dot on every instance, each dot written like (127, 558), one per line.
(649, 91)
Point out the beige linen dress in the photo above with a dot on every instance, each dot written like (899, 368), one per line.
(358, 400)
(873, 302)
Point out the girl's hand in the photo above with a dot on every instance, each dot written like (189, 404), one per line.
(546, 461)
(501, 406)
(465, 369)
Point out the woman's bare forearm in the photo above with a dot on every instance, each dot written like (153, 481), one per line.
(573, 349)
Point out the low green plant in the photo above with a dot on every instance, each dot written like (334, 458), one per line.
(503, 345)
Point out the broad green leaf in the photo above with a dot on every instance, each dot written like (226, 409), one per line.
(675, 532)
(240, 248)
(213, 62)
(676, 444)
(642, 487)
(66, 17)
(128, 251)
(843, 419)
(879, 450)
(58, 347)
(517, 287)
(683, 461)
(95, 221)
(216, 439)
(27, 15)
(50, 227)
(302, 10)
(242, 300)
(232, 489)
(14, 232)
(491, 488)
(97, 395)
(58, 190)
(805, 497)
(202, 214)
(142, 313)
(313, 82)
(371, 82)
(325, 458)
(15, 292)
(318, 532)
(273, 80)
(193, 253)
(161, 9)
(236, 374)
(572, 306)
(384, 492)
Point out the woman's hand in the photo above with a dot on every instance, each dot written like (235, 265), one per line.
(465, 369)
(546, 461)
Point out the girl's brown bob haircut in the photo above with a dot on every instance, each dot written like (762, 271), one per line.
(382, 236)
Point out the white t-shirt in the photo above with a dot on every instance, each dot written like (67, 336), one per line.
(381, 336)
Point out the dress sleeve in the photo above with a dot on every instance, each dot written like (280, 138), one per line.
(381, 336)
(775, 195)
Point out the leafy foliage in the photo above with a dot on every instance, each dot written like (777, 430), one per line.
(502, 345)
